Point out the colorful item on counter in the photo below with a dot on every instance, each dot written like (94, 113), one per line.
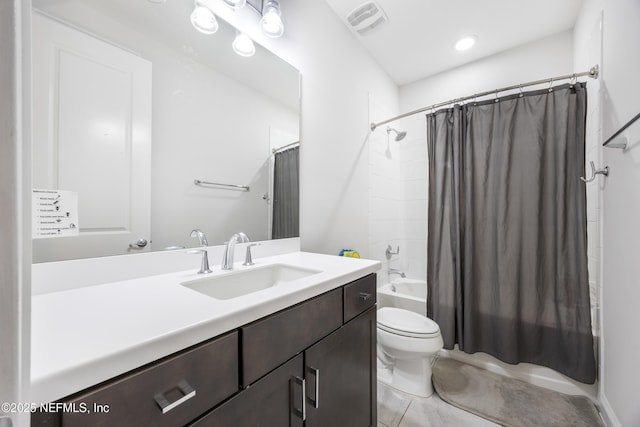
(349, 253)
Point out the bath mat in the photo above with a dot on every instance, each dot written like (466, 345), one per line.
(507, 401)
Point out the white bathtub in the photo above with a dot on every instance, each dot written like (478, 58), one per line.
(409, 294)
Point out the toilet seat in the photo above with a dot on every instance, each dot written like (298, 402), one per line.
(406, 323)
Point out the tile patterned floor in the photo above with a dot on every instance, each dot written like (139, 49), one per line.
(398, 409)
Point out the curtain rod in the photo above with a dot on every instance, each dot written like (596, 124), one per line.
(593, 73)
(284, 147)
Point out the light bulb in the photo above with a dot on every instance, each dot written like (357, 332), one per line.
(203, 20)
(271, 21)
(235, 4)
(243, 45)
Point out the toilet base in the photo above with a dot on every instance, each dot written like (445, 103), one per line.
(413, 377)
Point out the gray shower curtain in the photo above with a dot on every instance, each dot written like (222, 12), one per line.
(286, 194)
(507, 246)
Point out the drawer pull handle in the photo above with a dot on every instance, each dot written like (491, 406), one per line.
(301, 413)
(316, 374)
(364, 296)
(164, 404)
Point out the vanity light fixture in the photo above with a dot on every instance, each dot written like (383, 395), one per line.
(243, 45)
(465, 43)
(203, 19)
(271, 21)
(235, 4)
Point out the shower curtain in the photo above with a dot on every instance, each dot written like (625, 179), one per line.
(507, 245)
(286, 194)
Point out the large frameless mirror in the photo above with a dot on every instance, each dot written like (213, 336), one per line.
(158, 129)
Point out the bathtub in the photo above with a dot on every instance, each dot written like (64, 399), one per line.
(409, 294)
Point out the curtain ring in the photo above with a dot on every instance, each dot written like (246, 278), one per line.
(550, 84)
(573, 80)
(497, 99)
(520, 89)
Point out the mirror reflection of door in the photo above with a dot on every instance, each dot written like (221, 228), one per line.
(92, 116)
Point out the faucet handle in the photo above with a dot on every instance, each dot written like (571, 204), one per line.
(248, 260)
(204, 265)
(389, 251)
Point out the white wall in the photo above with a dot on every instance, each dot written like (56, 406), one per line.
(337, 78)
(620, 208)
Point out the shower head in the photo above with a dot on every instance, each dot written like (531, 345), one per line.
(399, 135)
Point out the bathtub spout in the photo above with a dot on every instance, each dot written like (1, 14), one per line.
(396, 271)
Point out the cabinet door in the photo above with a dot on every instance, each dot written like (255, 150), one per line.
(276, 400)
(340, 376)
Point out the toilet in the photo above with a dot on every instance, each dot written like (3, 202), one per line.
(407, 344)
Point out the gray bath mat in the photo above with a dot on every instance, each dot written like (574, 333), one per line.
(507, 401)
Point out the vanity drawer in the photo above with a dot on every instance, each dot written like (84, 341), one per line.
(207, 373)
(269, 342)
(359, 296)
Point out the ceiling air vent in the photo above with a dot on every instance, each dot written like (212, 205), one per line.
(366, 17)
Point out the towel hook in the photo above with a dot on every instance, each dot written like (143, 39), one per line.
(595, 172)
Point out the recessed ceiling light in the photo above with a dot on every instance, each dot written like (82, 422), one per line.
(465, 43)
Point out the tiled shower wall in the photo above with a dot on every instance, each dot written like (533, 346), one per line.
(397, 197)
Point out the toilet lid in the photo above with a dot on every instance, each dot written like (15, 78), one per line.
(405, 322)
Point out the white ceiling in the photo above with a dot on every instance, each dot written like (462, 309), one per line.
(418, 40)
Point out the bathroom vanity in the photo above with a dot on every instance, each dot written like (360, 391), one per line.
(310, 363)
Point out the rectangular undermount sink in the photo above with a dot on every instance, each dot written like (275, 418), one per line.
(242, 282)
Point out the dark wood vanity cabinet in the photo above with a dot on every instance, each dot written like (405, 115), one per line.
(312, 364)
(336, 369)
(340, 373)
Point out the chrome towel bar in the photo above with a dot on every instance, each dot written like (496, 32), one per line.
(217, 184)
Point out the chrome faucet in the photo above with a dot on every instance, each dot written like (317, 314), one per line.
(229, 250)
(201, 237)
(204, 265)
(396, 271)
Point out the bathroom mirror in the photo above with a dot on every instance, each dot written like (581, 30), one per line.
(131, 105)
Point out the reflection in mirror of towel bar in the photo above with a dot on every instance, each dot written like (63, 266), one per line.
(230, 186)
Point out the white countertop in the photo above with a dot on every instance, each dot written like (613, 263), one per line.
(81, 337)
